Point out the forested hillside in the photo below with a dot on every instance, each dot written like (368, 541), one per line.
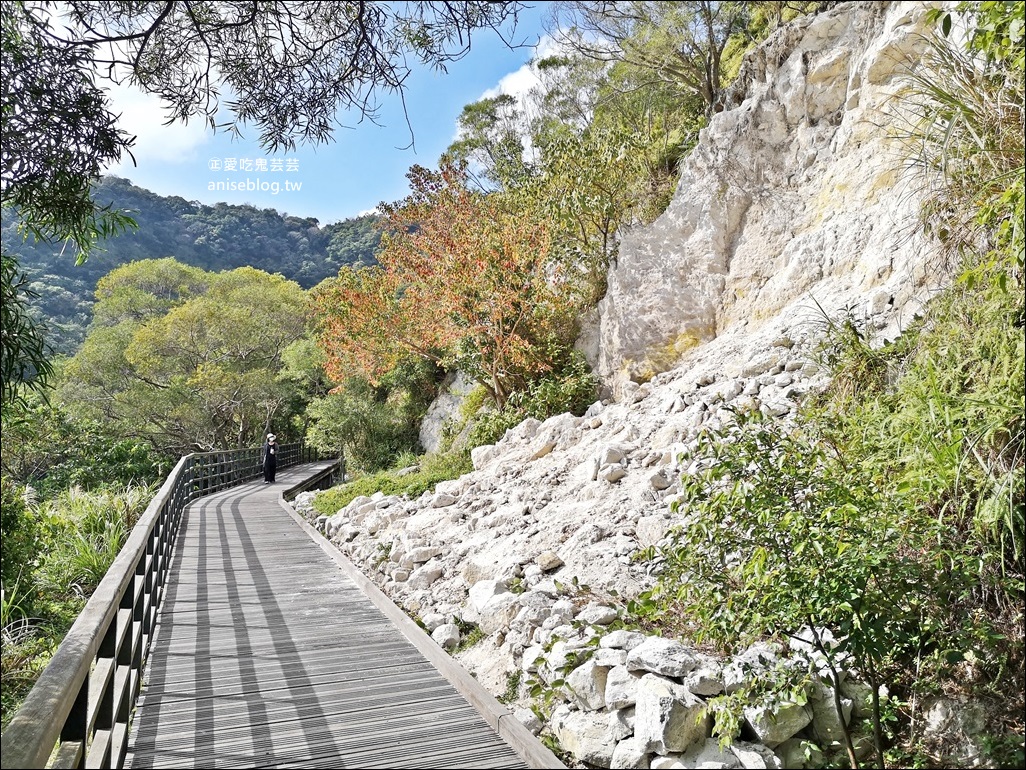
(214, 238)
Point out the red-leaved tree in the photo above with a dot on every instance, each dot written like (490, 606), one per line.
(462, 281)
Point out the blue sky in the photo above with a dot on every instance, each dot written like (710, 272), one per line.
(365, 165)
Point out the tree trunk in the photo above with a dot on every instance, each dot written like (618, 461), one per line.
(835, 676)
(877, 727)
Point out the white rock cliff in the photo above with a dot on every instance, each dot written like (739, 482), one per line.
(795, 206)
(797, 194)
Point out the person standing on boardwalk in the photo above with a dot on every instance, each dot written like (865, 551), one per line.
(269, 458)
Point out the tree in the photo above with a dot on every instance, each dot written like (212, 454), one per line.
(491, 135)
(679, 42)
(585, 189)
(46, 447)
(198, 366)
(590, 150)
(45, 173)
(59, 133)
(462, 281)
(291, 67)
(24, 354)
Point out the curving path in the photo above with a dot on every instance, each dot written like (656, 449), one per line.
(268, 654)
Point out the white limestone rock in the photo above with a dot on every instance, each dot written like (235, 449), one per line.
(612, 473)
(958, 724)
(621, 687)
(754, 756)
(529, 719)
(659, 480)
(586, 685)
(612, 454)
(425, 575)
(597, 614)
(774, 724)
(662, 656)
(707, 679)
(491, 605)
(861, 696)
(590, 737)
(798, 753)
(610, 658)
(622, 639)
(447, 635)
(651, 529)
(432, 620)
(443, 500)
(483, 456)
(710, 756)
(757, 659)
(533, 658)
(670, 762)
(630, 753)
(452, 393)
(548, 561)
(668, 717)
(808, 125)
(827, 727)
(423, 554)
(485, 592)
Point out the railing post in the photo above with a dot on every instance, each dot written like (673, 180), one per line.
(75, 731)
(144, 607)
(104, 720)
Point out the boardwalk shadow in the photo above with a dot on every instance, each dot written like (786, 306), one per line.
(266, 655)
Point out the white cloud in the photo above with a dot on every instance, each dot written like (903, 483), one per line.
(516, 84)
(143, 117)
(519, 83)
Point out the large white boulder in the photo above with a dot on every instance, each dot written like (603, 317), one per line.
(586, 685)
(662, 656)
(590, 737)
(668, 718)
(773, 724)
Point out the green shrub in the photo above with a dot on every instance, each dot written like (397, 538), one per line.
(570, 388)
(75, 538)
(434, 468)
(784, 530)
(19, 531)
(369, 425)
(50, 449)
(85, 532)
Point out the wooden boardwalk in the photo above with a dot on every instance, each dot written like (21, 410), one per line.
(267, 655)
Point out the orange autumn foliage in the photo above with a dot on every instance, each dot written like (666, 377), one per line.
(461, 281)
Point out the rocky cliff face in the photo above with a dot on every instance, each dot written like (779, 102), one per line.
(795, 206)
(796, 197)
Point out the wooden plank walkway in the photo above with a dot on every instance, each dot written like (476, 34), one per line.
(267, 655)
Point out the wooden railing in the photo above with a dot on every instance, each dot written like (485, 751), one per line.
(78, 712)
(325, 479)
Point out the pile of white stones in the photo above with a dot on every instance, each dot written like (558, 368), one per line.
(537, 548)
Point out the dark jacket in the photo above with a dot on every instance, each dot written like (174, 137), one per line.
(269, 454)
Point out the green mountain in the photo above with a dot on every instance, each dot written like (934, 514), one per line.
(218, 237)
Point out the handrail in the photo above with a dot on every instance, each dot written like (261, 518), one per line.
(84, 698)
(324, 479)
